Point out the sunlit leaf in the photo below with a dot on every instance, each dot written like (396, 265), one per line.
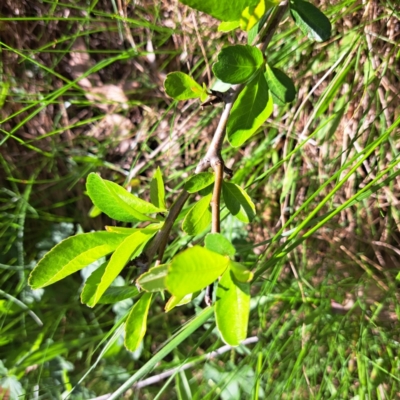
(131, 247)
(136, 324)
(198, 218)
(118, 293)
(92, 282)
(194, 269)
(157, 191)
(252, 14)
(219, 244)
(240, 272)
(250, 110)
(228, 26)
(73, 254)
(224, 10)
(238, 202)
(154, 279)
(178, 301)
(181, 86)
(199, 181)
(115, 201)
(232, 309)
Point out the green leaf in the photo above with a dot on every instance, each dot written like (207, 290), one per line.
(219, 244)
(118, 293)
(157, 191)
(131, 247)
(224, 10)
(178, 301)
(250, 110)
(136, 323)
(115, 201)
(237, 64)
(232, 309)
(238, 202)
(228, 26)
(252, 14)
(280, 85)
(73, 254)
(240, 272)
(199, 181)
(310, 20)
(193, 270)
(198, 218)
(92, 282)
(154, 279)
(181, 86)
(128, 231)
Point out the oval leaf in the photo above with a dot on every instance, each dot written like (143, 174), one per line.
(157, 191)
(199, 181)
(154, 279)
(198, 218)
(219, 244)
(232, 309)
(280, 85)
(115, 201)
(193, 270)
(181, 86)
(237, 64)
(136, 323)
(73, 254)
(238, 202)
(311, 20)
(131, 247)
(250, 110)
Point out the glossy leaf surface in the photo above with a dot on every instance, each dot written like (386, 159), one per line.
(198, 218)
(232, 309)
(310, 20)
(73, 254)
(136, 324)
(193, 270)
(219, 244)
(238, 202)
(237, 64)
(280, 85)
(250, 110)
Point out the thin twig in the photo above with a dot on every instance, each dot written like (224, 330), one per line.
(213, 157)
(216, 199)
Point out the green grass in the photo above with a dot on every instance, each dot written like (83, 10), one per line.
(323, 172)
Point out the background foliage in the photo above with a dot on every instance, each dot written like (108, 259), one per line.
(324, 319)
